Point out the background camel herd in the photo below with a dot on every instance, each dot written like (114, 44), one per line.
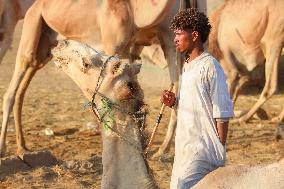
(238, 72)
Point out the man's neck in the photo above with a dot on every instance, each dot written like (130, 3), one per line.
(197, 51)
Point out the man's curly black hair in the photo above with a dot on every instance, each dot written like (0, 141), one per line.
(192, 19)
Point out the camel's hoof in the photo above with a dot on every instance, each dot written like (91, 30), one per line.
(234, 121)
(241, 120)
(22, 151)
(239, 113)
(276, 119)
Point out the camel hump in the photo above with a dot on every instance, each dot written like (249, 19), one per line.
(147, 13)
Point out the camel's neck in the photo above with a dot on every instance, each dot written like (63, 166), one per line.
(123, 164)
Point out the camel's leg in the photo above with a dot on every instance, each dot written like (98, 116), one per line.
(279, 118)
(233, 75)
(135, 52)
(26, 57)
(271, 76)
(7, 27)
(242, 81)
(170, 55)
(19, 98)
(5, 43)
(41, 60)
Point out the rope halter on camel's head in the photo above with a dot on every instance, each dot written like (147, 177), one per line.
(113, 89)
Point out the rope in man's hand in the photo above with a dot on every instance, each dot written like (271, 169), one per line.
(167, 99)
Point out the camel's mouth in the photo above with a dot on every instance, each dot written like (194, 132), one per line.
(129, 94)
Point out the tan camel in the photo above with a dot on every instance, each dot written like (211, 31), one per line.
(243, 176)
(114, 21)
(2, 8)
(11, 11)
(118, 89)
(159, 36)
(15, 10)
(122, 142)
(248, 37)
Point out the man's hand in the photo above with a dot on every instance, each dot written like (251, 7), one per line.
(168, 98)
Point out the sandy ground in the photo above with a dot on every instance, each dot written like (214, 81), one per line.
(54, 101)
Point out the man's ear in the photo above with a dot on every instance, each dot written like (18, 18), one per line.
(195, 35)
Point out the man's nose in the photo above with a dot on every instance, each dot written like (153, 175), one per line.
(175, 40)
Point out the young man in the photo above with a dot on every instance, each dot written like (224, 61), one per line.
(204, 105)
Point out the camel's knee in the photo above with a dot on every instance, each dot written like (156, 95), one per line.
(7, 97)
(272, 90)
(25, 60)
(233, 75)
(232, 81)
(8, 101)
(267, 93)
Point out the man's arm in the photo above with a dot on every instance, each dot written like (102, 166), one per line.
(222, 129)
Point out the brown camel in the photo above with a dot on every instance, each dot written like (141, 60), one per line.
(122, 141)
(245, 38)
(116, 22)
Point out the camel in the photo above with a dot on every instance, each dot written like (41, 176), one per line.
(243, 176)
(110, 80)
(15, 10)
(11, 11)
(117, 25)
(243, 39)
(159, 36)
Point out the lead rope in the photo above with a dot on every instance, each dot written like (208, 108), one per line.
(107, 102)
(93, 104)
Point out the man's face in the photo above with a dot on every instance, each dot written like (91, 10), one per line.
(183, 40)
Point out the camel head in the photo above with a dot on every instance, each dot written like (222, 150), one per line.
(117, 80)
(111, 79)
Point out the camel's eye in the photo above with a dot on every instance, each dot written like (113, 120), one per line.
(116, 67)
(86, 65)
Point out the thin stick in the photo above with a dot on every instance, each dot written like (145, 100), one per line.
(158, 120)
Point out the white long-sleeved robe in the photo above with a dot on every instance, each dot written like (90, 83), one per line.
(203, 97)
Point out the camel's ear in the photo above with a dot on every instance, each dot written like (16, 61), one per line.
(136, 67)
(149, 12)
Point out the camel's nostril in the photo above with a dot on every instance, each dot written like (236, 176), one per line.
(130, 86)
